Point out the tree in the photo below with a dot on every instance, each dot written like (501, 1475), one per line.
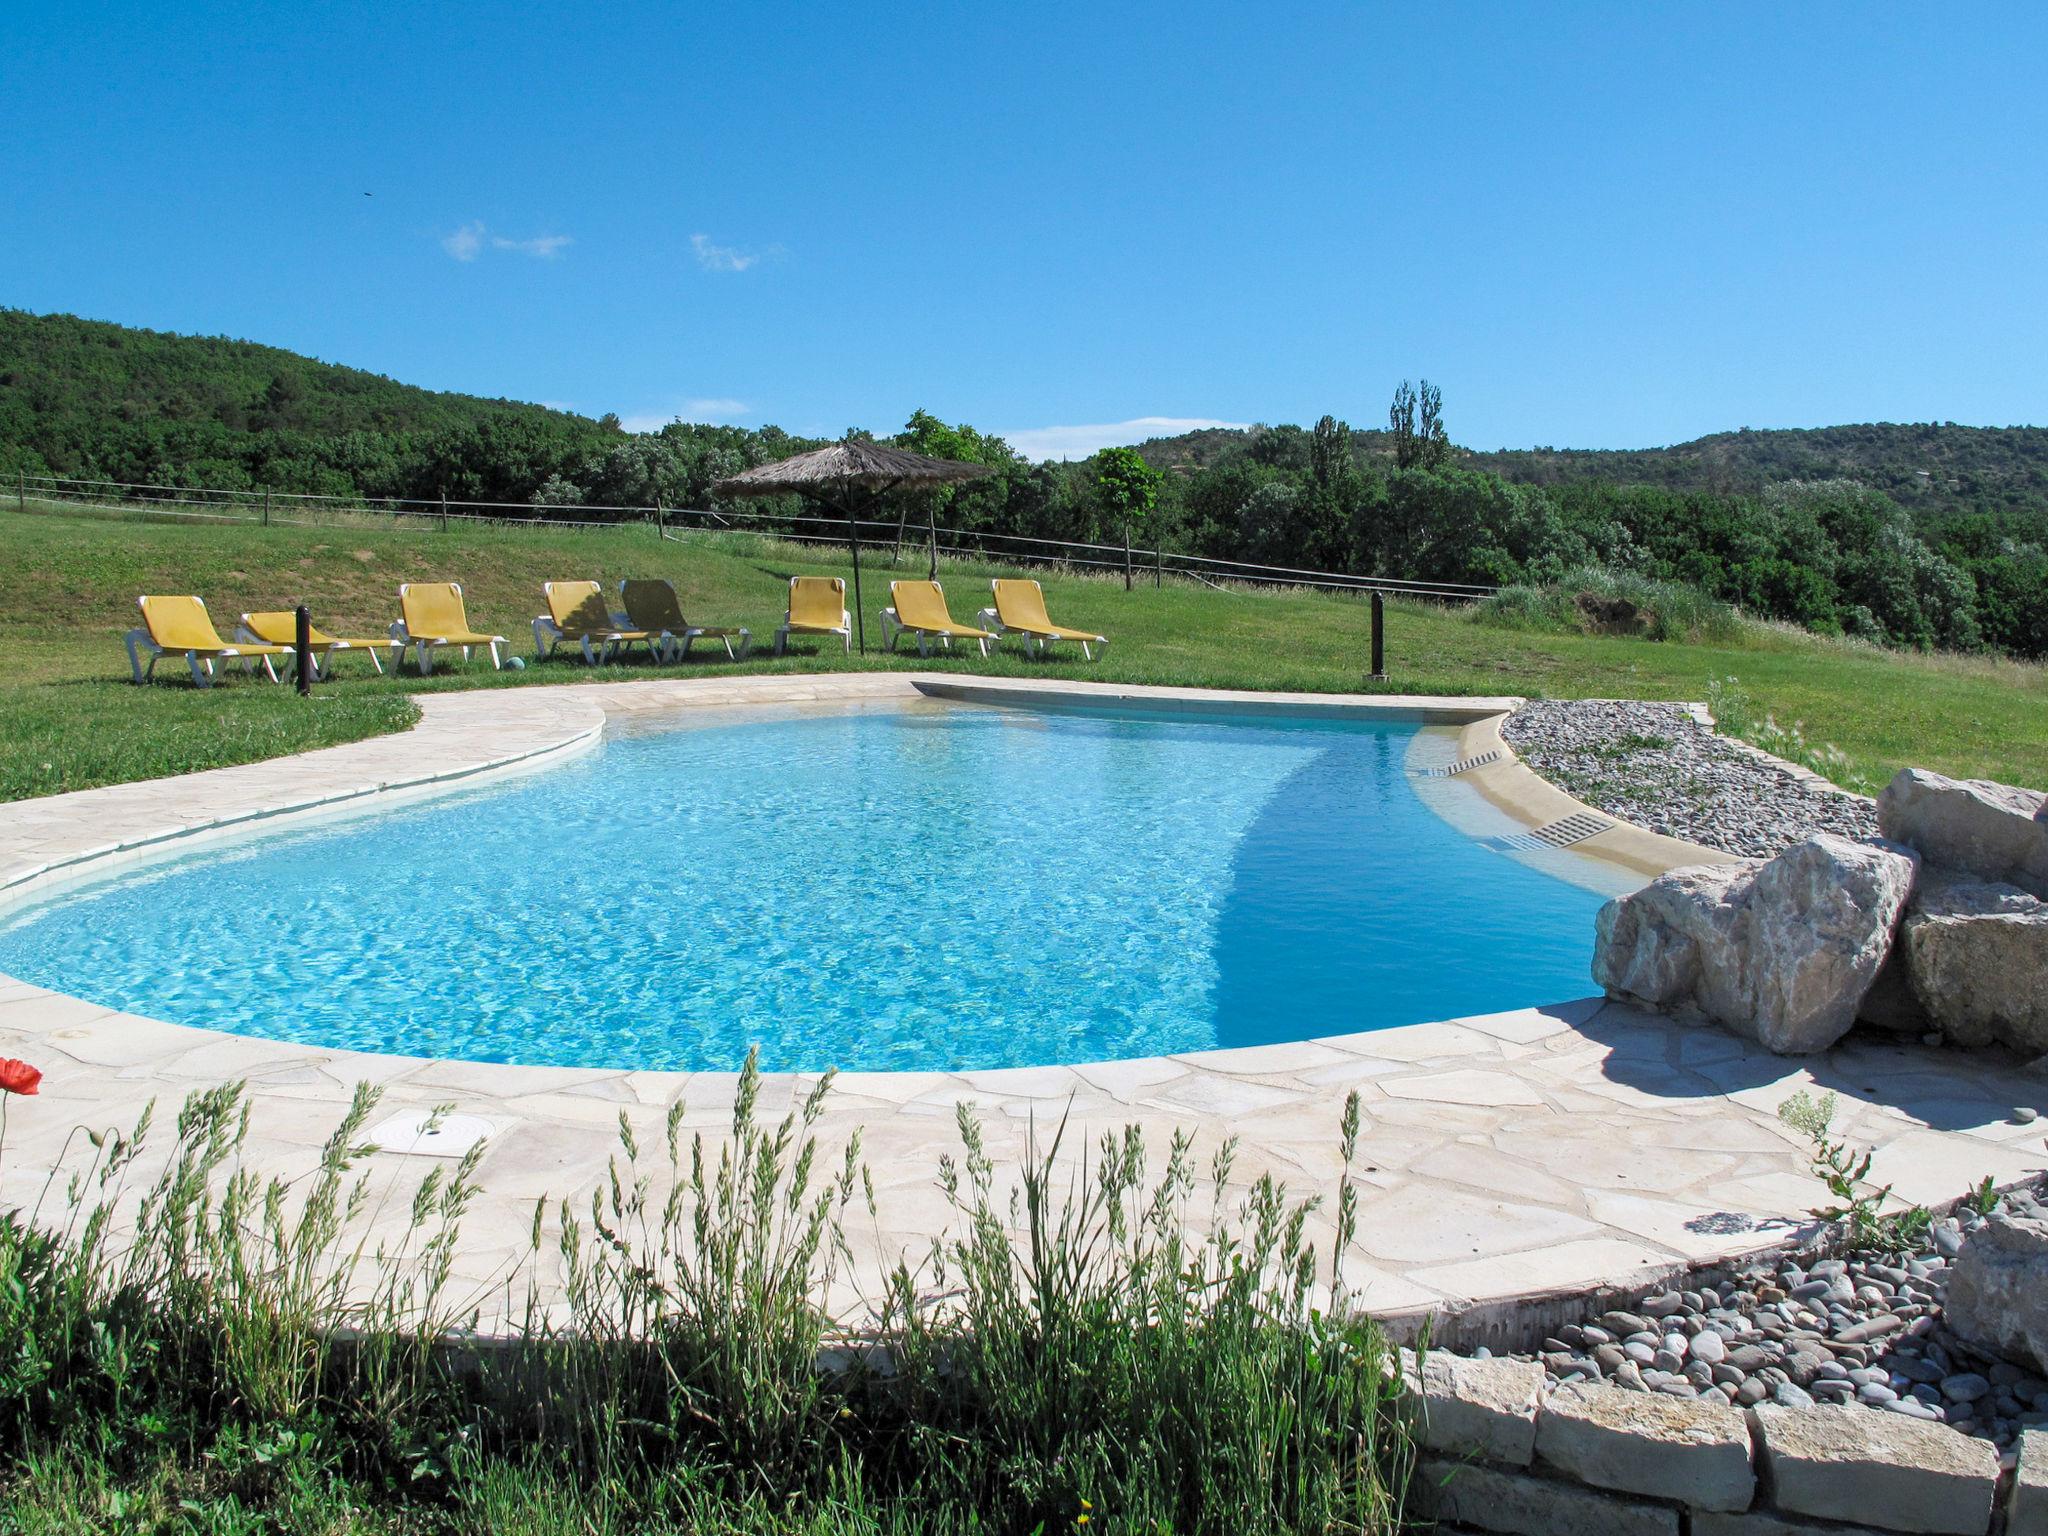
(1127, 489)
(1401, 423)
(1433, 444)
(1329, 456)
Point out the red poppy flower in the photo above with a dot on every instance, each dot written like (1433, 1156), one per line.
(18, 1076)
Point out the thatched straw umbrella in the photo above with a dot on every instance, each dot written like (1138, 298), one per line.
(849, 478)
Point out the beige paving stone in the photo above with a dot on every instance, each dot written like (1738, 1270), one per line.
(1417, 1042)
(1491, 1089)
(1526, 1025)
(1219, 1096)
(1266, 1060)
(1579, 1264)
(1127, 1080)
(1684, 1227)
(1426, 1226)
(1598, 1158)
(1480, 1167)
(1440, 1118)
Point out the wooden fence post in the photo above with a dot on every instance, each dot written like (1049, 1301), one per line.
(444, 510)
(266, 506)
(1127, 554)
(21, 490)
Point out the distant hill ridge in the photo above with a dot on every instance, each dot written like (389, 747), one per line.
(1927, 467)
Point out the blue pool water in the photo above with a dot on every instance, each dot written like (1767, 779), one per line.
(941, 887)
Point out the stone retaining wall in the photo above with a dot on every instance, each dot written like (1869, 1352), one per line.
(1501, 1454)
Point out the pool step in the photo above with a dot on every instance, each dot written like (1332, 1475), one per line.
(1562, 833)
(1462, 764)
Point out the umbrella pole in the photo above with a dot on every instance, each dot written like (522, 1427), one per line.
(860, 621)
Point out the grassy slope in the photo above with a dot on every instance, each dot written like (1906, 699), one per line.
(68, 718)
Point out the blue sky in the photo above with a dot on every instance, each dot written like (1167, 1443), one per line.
(1592, 225)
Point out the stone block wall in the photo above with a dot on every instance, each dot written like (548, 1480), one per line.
(1499, 1453)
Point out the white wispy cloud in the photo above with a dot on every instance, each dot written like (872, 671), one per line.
(546, 247)
(1079, 442)
(717, 409)
(473, 239)
(713, 257)
(466, 242)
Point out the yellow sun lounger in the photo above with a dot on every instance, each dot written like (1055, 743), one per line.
(651, 605)
(432, 616)
(282, 628)
(919, 608)
(1020, 610)
(817, 606)
(576, 611)
(174, 626)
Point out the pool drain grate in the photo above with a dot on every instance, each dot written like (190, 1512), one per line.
(1462, 764)
(1562, 833)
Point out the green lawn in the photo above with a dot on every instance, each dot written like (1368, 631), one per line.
(69, 719)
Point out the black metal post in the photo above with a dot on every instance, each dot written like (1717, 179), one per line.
(860, 621)
(1379, 638)
(304, 646)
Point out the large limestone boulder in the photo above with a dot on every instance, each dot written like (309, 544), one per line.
(1783, 951)
(1998, 1286)
(1677, 935)
(1976, 954)
(1972, 826)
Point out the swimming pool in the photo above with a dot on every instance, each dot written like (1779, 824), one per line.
(922, 886)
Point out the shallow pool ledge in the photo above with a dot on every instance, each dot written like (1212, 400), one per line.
(1422, 708)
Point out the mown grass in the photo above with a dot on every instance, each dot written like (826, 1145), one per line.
(69, 720)
(201, 1349)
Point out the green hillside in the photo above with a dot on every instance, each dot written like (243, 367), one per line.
(1935, 470)
(87, 398)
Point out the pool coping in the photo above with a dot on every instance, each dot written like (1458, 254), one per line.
(1485, 1198)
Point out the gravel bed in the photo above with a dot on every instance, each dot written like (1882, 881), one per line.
(1654, 765)
(1859, 1331)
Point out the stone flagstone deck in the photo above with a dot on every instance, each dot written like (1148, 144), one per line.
(1504, 1159)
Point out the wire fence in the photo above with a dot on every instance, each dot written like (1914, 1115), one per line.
(299, 509)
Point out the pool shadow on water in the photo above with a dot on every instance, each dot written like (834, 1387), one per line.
(1947, 1090)
(1352, 906)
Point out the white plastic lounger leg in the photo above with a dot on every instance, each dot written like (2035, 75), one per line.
(202, 671)
(782, 640)
(589, 655)
(135, 640)
(423, 658)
